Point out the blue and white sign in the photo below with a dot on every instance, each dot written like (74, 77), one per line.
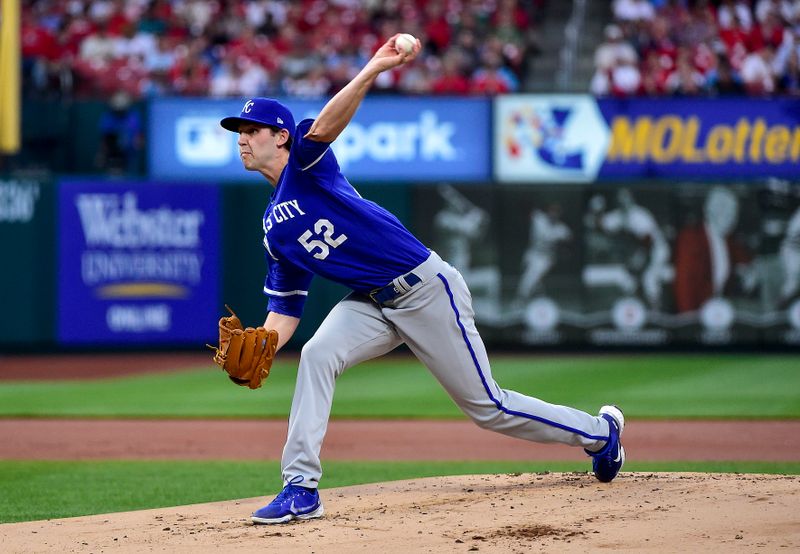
(137, 263)
(548, 138)
(389, 139)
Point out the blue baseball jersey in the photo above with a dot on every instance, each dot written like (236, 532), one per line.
(317, 224)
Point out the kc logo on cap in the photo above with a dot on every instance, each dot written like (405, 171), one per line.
(263, 111)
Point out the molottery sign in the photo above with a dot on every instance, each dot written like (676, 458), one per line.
(389, 139)
(710, 137)
(578, 138)
(137, 263)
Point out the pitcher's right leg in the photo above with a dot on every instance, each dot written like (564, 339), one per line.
(354, 331)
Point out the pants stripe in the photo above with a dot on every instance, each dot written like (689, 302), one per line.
(486, 385)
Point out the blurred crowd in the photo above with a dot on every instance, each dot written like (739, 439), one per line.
(700, 47)
(303, 48)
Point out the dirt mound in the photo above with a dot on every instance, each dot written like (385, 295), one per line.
(556, 512)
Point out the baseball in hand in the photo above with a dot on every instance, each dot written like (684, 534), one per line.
(404, 44)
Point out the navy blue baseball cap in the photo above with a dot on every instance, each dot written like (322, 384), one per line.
(264, 111)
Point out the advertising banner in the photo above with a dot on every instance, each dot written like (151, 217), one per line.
(548, 138)
(689, 264)
(543, 256)
(637, 265)
(518, 249)
(716, 283)
(27, 285)
(577, 138)
(627, 270)
(137, 263)
(460, 223)
(708, 137)
(389, 139)
(737, 264)
(777, 264)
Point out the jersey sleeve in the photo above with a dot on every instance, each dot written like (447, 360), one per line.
(286, 285)
(309, 155)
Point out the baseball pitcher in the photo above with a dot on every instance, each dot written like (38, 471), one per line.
(316, 223)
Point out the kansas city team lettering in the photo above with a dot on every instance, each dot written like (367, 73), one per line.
(318, 240)
(283, 212)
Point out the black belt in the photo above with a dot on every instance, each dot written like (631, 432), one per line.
(388, 293)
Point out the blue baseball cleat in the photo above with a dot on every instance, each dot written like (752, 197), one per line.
(293, 502)
(607, 461)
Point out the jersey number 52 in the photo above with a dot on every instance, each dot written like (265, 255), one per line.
(323, 247)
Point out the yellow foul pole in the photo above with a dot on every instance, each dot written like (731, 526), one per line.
(10, 61)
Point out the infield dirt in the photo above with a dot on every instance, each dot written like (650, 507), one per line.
(557, 512)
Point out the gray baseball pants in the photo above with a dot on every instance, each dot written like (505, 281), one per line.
(435, 319)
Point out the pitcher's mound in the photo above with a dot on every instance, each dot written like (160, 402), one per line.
(555, 512)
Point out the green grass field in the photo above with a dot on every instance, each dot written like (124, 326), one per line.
(646, 386)
(33, 490)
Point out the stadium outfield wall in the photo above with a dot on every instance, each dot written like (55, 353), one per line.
(576, 221)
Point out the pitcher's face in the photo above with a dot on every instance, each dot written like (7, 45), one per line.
(258, 146)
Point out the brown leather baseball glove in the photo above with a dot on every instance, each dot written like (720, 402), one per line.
(245, 354)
